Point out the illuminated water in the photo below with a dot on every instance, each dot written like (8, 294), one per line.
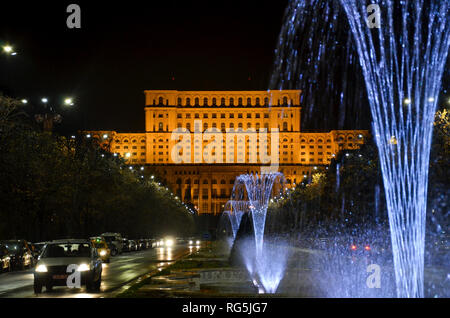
(270, 261)
(402, 63)
(234, 210)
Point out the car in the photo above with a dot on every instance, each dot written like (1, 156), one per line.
(20, 253)
(193, 241)
(57, 262)
(103, 250)
(133, 245)
(125, 245)
(5, 259)
(142, 244)
(114, 241)
(167, 242)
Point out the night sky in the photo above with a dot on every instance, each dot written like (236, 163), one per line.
(126, 47)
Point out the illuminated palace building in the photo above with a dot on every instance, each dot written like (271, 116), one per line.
(199, 141)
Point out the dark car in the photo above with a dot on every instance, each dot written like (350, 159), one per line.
(5, 259)
(59, 259)
(21, 255)
(125, 245)
(142, 244)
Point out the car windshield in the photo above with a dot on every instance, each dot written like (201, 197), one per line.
(12, 246)
(67, 250)
(100, 245)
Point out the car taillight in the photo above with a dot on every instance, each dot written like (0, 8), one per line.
(367, 248)
(353, 247)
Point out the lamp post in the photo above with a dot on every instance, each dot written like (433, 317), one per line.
(49, 116)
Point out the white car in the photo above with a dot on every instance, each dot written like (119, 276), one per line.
(61, 261)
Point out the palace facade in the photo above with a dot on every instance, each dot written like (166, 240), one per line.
(199, 141)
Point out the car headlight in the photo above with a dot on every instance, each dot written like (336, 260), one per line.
(41, 268)
(191, 242)
(169, 242)
(102, 253)
(83, 267)
(198, 242)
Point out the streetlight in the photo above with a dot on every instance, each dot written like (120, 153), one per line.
(8, 49)
(44, 100)
(68, 102)
(24, 101)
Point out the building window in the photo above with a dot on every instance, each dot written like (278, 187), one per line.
(161, 127)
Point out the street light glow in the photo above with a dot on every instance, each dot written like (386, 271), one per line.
(24, 101)
(8, 48)
(68, 101)
(44, 100)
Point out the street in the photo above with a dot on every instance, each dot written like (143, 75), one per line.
(121, 270)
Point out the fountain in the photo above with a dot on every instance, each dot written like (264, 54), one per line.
(234, 210)
(269, 262)
(402, 63)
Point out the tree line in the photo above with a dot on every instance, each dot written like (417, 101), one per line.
(53, 186)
